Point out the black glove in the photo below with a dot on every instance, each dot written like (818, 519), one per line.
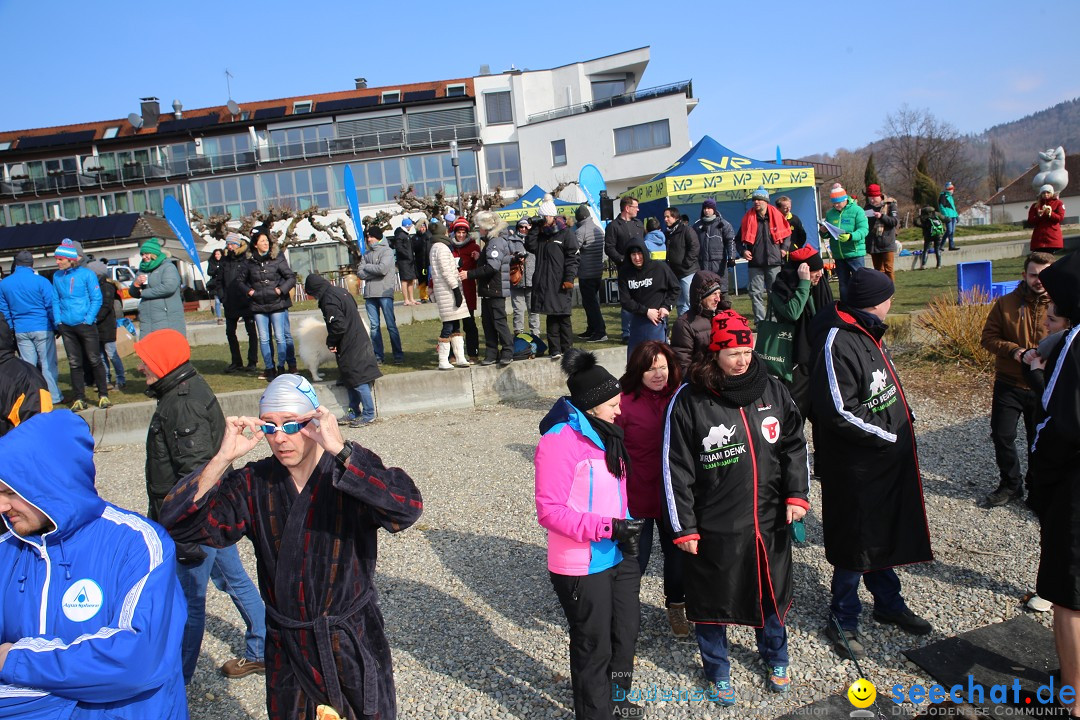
(628, 534)
(459, 297)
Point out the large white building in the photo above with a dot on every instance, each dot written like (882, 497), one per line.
(513, 129)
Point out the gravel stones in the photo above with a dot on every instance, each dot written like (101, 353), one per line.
(476, 630)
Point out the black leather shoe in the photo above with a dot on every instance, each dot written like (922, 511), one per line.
(906, 621)
(1002, 497)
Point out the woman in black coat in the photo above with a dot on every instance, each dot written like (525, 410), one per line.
(735, 478)
(556, 250)
(214, 285)
(266, 279)
(348, 339)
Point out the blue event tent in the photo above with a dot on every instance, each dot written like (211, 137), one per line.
(528, 205)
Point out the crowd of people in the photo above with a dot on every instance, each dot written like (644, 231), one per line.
(699, 446)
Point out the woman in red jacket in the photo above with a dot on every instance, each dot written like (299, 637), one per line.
(1045, 217)
(652, 376)
(467, 251)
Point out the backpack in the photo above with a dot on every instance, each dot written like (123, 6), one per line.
(527, 345)
(937, 229)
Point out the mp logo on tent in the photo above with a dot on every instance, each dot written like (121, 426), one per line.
(82, 600)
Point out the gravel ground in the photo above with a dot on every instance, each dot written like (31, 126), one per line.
(476, 629)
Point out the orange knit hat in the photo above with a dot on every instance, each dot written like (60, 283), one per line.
(163, 351)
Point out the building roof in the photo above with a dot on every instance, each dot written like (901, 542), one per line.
(123, 226)
(205, 118)
(1020, 189)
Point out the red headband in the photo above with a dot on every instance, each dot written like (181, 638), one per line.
(730, 330)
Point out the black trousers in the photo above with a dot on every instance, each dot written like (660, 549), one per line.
(234, 344)
(559, 333)
(496, 330)
(590, 301)
(472, 335)
(83, 351)
(604, 614)
(1008, 405)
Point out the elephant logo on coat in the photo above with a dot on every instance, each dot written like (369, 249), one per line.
(718, 437)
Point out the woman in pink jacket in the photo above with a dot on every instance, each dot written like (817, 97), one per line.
(581, 467)
(652, 376)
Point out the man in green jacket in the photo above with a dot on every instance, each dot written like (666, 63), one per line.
(849, 247)
(947, 207)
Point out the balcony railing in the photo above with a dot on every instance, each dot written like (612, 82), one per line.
(685, 88)
(138, 173)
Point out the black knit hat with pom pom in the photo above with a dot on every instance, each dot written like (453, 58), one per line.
(590, 384)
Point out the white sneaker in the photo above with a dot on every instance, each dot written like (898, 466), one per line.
(1038, 604)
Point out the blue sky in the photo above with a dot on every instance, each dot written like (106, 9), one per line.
(810, 77)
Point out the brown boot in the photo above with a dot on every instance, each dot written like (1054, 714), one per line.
(676, 615)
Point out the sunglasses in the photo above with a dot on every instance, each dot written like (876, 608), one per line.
(289, 428)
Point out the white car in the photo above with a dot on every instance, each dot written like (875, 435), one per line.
(124, 275)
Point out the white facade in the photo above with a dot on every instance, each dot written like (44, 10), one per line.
(560, 122)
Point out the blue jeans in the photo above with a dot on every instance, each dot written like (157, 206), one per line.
(362, 402)
(109, 355)
(38, 347)
(713, 643)
(384, 305)
(674, 590)
(884, 585)
(642, 329)
(950, 230)
(683, 303)
(217, 307)
(845, 268)
(282, 339)
(223, 566)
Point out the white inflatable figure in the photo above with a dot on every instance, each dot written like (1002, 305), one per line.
(1052, 170)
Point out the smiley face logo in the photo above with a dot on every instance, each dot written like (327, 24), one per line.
(862, 693)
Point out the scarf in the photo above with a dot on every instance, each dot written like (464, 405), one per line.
(779, 227)
(152, 265)
(741, 390)
(615, 455)
(820, 297)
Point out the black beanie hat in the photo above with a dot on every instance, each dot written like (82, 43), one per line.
(1062, 283)
(23, 258)
(868, 288)
(581, 212)
(590, 384)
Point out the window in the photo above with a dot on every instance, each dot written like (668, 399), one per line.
(302, 106)
(110, 132)
(605, 89)
(558, 152)
(391, 96)
(455, 90)
(6, 145)
(235, 195)
(637, 138)
(503, 166)
(498, 108)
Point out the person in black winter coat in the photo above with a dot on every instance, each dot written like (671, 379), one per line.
(682, 253)
(348, 339)
(106, 328)
(647, 290)
(213, 282)
(405, 262)
(716, 243)
(692, 332)
(492, 276)
(266, 278)
(873, 514)
(237, 303)
(421, 247)
(556, 253)
(23, 391)
(619, 233)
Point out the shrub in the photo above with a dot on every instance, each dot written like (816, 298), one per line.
(956, 329)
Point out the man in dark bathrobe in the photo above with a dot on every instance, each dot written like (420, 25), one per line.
(311, 511)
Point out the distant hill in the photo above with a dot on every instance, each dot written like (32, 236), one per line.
(1021, 139)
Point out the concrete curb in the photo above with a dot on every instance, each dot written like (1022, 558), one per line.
(400, 394)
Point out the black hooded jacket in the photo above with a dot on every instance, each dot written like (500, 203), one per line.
(692, 331)
(556, 263)
(345, 332)
(649, 287)
(682, 249)
(237, 304)
(864, 440)
(23, 391)
(271, 278)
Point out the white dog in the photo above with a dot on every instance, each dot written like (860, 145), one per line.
(311, 345)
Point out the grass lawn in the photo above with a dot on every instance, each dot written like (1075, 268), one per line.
(912, 238)
(914, 289)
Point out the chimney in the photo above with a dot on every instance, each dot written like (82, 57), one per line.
(361, 83)
(178, 109)
(150, 112)
(485, 69)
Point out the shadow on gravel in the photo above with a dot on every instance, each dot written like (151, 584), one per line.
(525, 450)
(453, 640)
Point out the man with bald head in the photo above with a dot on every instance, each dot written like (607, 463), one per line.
(311, 510)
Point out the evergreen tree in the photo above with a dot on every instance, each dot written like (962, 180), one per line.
(925, 190)
(870, 174)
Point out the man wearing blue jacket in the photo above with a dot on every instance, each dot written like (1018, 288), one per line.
(75, 315)
(27, 302)
(93, 614)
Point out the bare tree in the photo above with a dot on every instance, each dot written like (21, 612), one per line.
(913, 133)
(996, 167)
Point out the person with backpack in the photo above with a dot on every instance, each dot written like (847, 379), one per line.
(933, 234)
(947, 207)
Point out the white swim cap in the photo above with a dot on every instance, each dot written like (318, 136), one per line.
(289, 394)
